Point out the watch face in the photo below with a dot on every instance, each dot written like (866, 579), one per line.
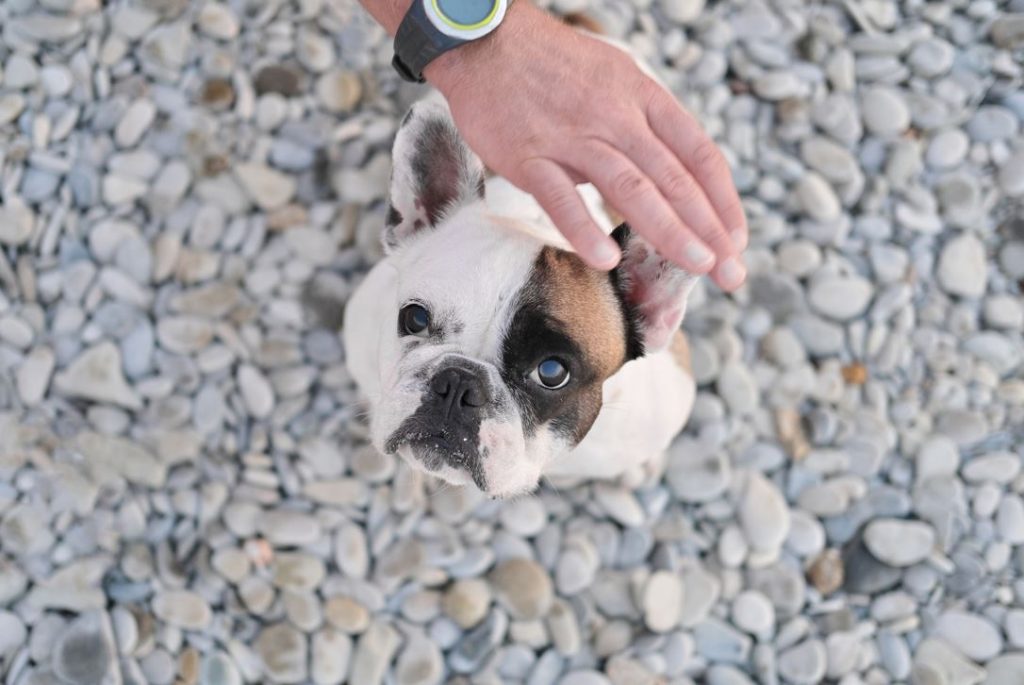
(465, 19)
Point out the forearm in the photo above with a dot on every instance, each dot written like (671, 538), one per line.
(444, 71)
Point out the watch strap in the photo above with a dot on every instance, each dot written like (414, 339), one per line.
(417, 43)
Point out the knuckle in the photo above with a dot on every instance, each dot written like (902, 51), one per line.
(718, 241)
(679, 187)
(707, 154)
(628, 184)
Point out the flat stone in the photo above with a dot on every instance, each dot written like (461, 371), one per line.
(833, 161)
(17, 222)
(11, 106)
(962, 268)
(682, 11)
(134, 123)
(297, 572)
(467, 602)
(695, 476)
(662, 601)
(217, 668)
(931, 57)
(947, 149)
(331, 657)
(419, 663)
(374, 653)
(1011, 175)
(937, 661)
(267, 189)
(283, 651)
(256, 391)
(1007, 31)
(287, 528)
(719, 642)
(899, 543)
(84, 652)
(182, 609)
(817, 198)
(763, 514)
(975, 636)
(218, 21)
(96, 375)
(33, 376)
(523, 587)
(804, 664)
(339, 90)
(884, 111)
(840, 297)
(109, 457)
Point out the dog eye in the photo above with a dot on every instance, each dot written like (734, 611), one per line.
(413, 319)
(551, 374)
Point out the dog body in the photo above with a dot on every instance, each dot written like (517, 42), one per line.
(488, 352)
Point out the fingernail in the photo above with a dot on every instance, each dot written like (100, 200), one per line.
(732, 272)
(606, 254)
(698, 256)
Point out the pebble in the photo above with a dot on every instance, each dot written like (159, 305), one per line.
(419, 663)
(217, 21)
(947, 149)
(763, 514)
(182, 609)
(331, 654)
(134, 123)
(662, 601)
(84, 652)
(974, 636)
(467, 602)
(840, 297)
(283, 652)
(884, 111)
(339, 90)
(817, 198)
(752, 612)
(523, 587)
(682, 11)
(1011, 175)
(695, 476)
(256, 390)
(17, 222)
(96, 375)
(373, 655)
(899, 543)
(267, 189)
(962, 269)
(804, 664)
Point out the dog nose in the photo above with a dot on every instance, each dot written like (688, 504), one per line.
(460, 390)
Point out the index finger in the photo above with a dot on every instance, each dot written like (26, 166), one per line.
(683, 135)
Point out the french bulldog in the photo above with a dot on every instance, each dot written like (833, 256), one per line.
(488, 352)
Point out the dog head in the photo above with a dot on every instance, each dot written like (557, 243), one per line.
(497, 345)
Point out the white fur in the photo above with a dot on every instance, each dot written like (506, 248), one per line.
(473, 264)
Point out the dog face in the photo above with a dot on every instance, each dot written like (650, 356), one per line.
(497, 346)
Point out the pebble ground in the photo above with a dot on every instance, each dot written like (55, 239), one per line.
(190, 190)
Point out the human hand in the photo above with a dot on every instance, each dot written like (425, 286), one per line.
(548, 107)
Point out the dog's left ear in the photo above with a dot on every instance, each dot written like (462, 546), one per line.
(653, 290)
(433, 171)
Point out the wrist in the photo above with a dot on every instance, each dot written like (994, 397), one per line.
(452, 67)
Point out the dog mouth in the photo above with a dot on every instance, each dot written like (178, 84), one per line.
(437, 451)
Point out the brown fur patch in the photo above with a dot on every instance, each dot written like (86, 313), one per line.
(680, 349)
(582, 298)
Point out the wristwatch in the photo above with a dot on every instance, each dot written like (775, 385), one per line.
(432, 27)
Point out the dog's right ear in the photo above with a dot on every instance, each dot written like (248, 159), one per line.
(654, 293)
(433, 171)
